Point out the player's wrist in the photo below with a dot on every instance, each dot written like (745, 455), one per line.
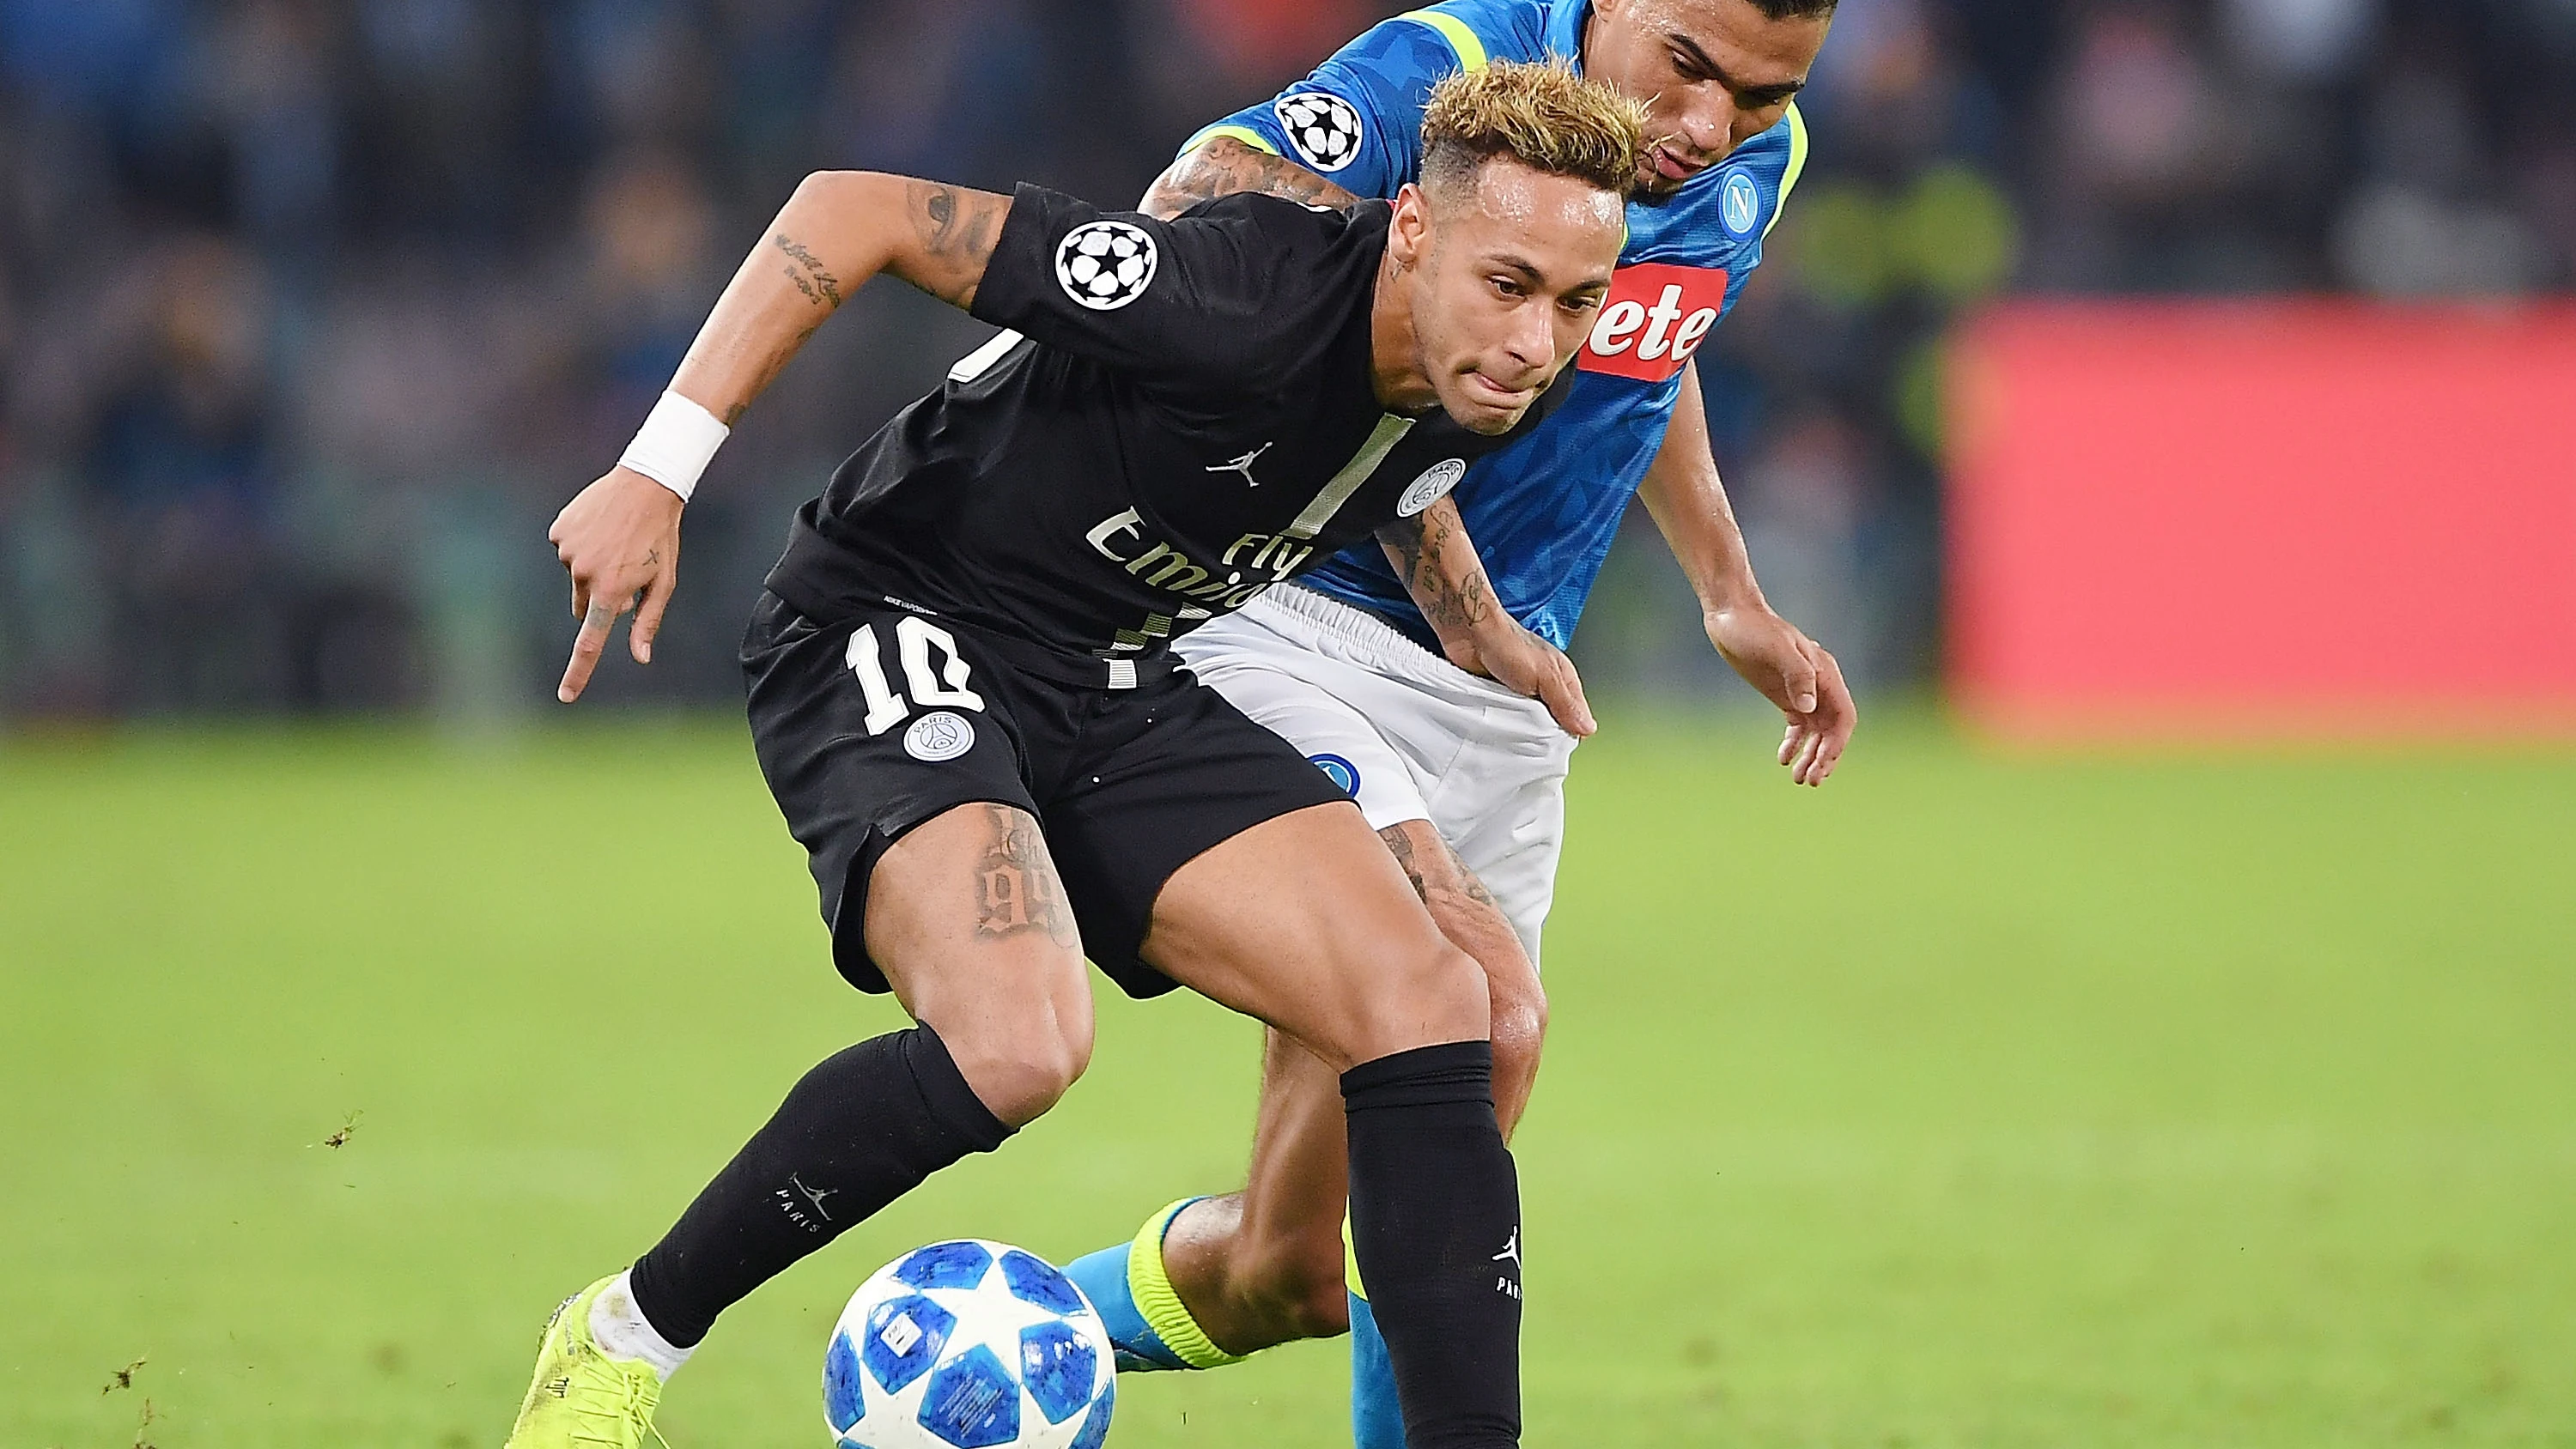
(678, 440)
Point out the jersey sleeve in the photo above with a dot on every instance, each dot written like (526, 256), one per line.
(1357, 121)
(1189, 301)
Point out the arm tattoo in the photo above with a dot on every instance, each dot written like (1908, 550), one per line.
(1016, 887)
(954, 222)
(1225, 166)
(958, 228)
(1420, 549)
(809, 274)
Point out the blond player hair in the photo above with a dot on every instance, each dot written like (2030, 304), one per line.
(1540, 114)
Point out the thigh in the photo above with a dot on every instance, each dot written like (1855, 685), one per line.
(967, 918)
(1306, 923)
(856, 765)
(1160, 777)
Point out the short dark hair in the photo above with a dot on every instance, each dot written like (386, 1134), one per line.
(1793, 9)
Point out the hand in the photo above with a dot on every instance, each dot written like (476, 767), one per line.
(620, 541)
(1527, 665)
(1796, 674)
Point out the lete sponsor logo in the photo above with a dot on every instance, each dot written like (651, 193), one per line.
(1655, 317)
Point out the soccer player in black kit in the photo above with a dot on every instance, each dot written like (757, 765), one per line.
(962, 696)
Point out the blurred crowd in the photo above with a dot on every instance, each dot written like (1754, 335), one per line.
(312, 312)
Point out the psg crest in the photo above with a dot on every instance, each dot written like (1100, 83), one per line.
(1431, 487)
(1324, 128)
(1104, 265)
(943, 735)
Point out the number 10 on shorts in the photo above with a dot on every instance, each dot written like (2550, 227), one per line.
(914, 638)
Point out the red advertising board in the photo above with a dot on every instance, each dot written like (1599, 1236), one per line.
(2226, 520)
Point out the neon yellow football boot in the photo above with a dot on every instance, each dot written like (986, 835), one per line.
(582, 1398)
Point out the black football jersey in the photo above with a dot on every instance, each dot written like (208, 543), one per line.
(1181, 415)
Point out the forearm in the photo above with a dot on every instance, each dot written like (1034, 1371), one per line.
(1437, 561)
(1226, 166)
(1686, 498)
(839, 229)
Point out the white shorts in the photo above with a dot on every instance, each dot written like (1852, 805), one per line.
(1409, 734)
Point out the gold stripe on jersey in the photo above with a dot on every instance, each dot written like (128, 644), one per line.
(1797, 164)
(1390, 430)
(1462, 41)
(1245, 134)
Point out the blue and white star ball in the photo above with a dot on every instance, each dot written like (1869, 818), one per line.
(969, 1345)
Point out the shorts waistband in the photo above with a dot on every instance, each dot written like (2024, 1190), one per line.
(1082, 671)
(1358, 626)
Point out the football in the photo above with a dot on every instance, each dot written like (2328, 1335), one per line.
(968, 1345)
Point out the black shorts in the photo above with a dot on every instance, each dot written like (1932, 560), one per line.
(1128, 784)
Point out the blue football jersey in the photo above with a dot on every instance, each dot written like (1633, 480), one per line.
(1543, 512)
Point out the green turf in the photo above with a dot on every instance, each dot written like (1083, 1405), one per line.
(1976, 1101)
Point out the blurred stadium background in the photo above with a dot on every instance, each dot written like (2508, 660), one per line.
(313, 311)
(2119, 361)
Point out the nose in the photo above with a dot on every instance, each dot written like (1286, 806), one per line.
(1711, 128)
(1532, 339)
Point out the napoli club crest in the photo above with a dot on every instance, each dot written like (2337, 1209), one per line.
(1344, 775)
(1739, 203)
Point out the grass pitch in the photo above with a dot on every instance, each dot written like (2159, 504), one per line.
(1975, 1101)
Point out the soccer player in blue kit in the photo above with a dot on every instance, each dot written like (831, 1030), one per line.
(1460, 775)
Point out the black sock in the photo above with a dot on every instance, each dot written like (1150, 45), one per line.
(1435, 1222)
(857, 1132)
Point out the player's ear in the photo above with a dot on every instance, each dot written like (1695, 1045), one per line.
(1409, 234)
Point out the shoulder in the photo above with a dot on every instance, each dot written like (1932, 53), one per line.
(1473, 33)
(1279, 222)
(1773, 162)
(1777, 155)
(1722, 216)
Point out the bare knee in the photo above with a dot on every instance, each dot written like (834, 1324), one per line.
(1430, 992)
(1021, 1057)
(1519, 1026)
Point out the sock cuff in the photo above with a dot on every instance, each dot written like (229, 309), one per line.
(1150, 1284)
(945, 1089)
(1452, 1072)
(624, 1331)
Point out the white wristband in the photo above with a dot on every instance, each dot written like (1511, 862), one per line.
(675, 444)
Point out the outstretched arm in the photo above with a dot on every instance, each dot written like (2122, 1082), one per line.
(620, 538)
(1225, 166)
(1438, 563)
(1682, 491)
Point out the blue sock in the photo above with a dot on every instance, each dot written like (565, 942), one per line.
(1377, 1421)
(1102, 1276)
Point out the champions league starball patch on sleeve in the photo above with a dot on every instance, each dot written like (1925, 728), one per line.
(1104, 265)
(1323, 128)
